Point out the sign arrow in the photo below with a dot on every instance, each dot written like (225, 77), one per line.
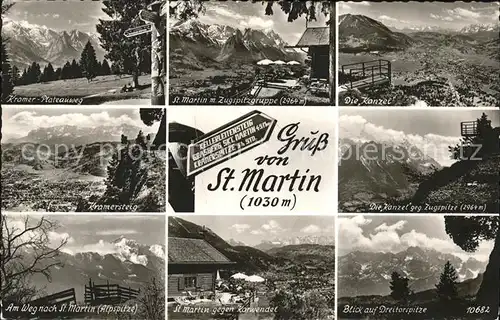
(229, 141)
(132, 32)
(149, 16)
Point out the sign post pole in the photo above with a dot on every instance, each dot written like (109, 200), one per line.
(152, 16)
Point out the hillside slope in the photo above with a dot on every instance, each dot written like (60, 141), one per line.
(465, 182)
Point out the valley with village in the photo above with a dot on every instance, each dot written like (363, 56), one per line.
(433, 67)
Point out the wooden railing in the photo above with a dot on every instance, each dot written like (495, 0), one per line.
(468, 128)
(368, 73)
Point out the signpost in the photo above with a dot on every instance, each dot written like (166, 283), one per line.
(228, 141)
(152, 16)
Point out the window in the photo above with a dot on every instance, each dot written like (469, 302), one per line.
(190, 282)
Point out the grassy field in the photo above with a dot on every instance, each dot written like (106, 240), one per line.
(100, 90)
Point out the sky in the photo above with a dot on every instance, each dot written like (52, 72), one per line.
(446, 15)
(19, 121)
(428, 129)
(59, 15)
(91, 233)
(252, 15)
(397, 233)
(252, 230)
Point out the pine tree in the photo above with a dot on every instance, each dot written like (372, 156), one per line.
(141, 140)
(447, 286)
(128, 52)
(7, 82)
(149, 116)
(66, 71)
(57, 74)
(88, 62)
(22, 77)
(15, 76)
(399, 288)
(105, 69)
(48, 73)
(34, 73)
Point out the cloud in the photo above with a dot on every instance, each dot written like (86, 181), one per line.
(257, 232)
(56, 15)
(397, 226)
(26, 121)
(344, 6)
(384, 17)
(389, 238)
(463, 13)
(272, 226)
(391, 19)
(439, 17)
(116, 232)
(312, 228)
(220, 10)
(256, 23)
(240, 228)
(432, 145)
(16, 226)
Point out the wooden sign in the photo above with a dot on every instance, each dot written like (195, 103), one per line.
(228, 141)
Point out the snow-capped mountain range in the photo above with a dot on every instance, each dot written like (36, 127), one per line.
(475, 28)
(75, 135)
(375, 171)
(369, 273)
(281, 242)
(362, 33)
(123, 261)
(194, 44)
(30, 43)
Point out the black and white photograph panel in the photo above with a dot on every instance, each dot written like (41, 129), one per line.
(84, 52)
(251, 53)
(418, 267)
(415, 161)
(419, 54)
(251, 267)
(254, 160)
(83, 267)
(85, 160)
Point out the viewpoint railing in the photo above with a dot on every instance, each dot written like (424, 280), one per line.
(468, 128)
(108, 293)
(367, 74)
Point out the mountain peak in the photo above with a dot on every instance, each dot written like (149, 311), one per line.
(38, 43)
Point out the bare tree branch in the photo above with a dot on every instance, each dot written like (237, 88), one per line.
(26, 251)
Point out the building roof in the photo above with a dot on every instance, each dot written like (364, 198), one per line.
(193, 251)
(317, 36)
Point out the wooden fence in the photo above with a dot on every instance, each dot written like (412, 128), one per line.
(108, 293)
